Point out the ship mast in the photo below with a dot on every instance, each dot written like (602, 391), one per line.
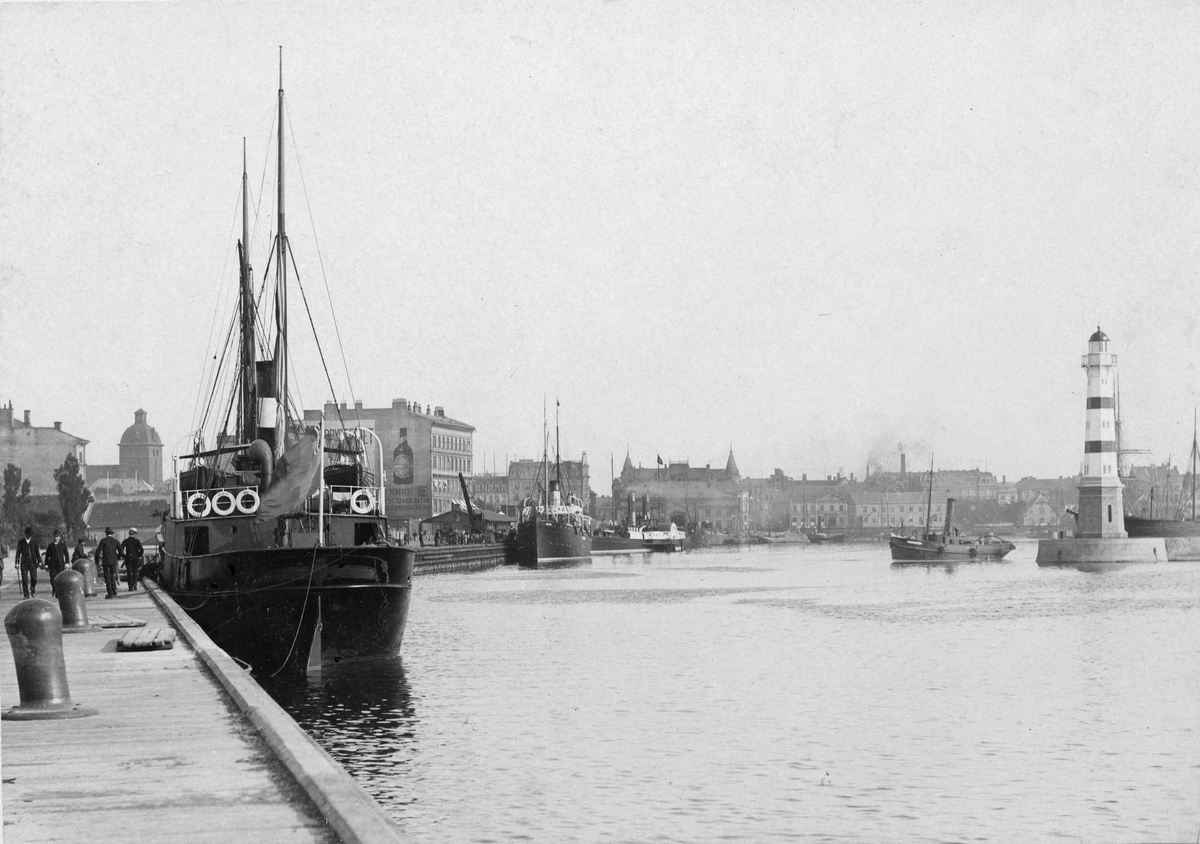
(557, 461)
(249, 424)
(1195, 449)
(281, 346)
(929, 503)
(545, 459)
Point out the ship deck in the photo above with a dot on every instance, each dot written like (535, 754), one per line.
(185, 746)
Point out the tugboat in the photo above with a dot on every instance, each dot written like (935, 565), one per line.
(553, 531)
(276, 541)
(947, 546)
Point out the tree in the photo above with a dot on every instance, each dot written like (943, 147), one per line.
(73, 495)
(16, 501)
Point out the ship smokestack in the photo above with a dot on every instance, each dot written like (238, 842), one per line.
(949, 516)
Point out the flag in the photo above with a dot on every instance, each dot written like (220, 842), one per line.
(660, 460)
(297, 476)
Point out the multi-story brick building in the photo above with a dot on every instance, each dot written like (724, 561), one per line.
(898, 511)
(423, 454)
(37, 452)
(526, 479)
(677, 491)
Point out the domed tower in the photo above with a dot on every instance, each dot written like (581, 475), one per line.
(141, 451)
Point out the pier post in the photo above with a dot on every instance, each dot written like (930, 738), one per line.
(69, 586)
(34, 629)
(85, 568)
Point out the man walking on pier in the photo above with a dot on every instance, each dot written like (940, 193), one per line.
(56, 558)
(131, 550)
(28, 560)
(108, 557)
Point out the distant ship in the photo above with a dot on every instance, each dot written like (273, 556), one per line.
(819, 536)
(553, 531)
(663, 539)
(276, 539)
(946, 546)
(619, 540)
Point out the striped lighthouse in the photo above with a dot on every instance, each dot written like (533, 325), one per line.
(1101, 513)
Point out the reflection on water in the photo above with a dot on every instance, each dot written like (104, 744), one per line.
(776, 692)
(360, 712)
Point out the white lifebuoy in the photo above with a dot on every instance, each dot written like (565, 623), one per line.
(247, 501)
(198, 505)
(362, 501)
(223, 503)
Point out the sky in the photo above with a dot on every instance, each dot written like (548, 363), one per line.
(818, 233)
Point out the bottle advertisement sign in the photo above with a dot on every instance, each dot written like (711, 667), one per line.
(402, 461)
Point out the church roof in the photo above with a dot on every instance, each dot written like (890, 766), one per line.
(140, 433)
(731, 464)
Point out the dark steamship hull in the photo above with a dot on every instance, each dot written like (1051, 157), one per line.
(1182, 537)
(544, 544)
(911, 550)
(262, 605)
(618, 545)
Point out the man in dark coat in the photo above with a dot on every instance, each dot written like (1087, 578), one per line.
(108, 557)
(28, 560)
(57, 559)
(131, 550)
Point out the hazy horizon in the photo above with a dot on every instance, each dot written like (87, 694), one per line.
(811, 232)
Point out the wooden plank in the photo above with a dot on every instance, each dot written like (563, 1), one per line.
(112, 620)
(168, 757)
(147, 639)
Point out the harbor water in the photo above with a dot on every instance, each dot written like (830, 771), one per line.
(780, 693)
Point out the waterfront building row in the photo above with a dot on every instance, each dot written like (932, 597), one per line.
(527, 478)
(423, 453)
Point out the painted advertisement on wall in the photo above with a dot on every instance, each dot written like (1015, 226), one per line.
(406, 443)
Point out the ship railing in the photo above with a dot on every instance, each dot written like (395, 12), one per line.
(359, 500)
(219, 502)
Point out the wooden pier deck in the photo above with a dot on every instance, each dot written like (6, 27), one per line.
(185, 747)
(441, 559)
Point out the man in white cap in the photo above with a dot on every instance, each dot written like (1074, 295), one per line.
(131, 550)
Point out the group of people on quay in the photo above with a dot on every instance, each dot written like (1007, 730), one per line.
(452, 536)
(56, 558)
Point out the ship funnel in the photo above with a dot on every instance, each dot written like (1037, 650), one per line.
(630, 508)
(260, 452)
(555, 495)
(949, 516)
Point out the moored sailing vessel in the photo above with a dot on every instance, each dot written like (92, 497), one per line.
(276, 540)
(1182, 533)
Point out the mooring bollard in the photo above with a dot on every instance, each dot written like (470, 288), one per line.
(85, 568)
(69, 586)
(34, 629)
